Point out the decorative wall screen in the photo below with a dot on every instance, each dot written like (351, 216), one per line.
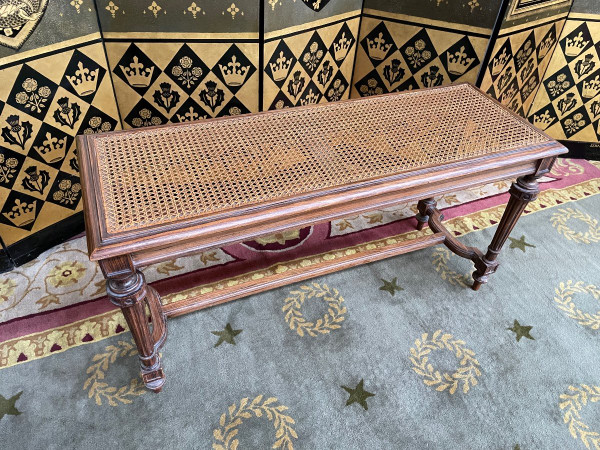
(89, 66)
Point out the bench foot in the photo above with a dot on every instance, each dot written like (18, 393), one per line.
(524, 190)
(422, 216)
(126, 287)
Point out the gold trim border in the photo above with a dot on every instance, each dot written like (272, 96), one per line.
(39, 345)
(528, 26)
(310, 25)
(158, 35)
(424, 21)
(583, 16)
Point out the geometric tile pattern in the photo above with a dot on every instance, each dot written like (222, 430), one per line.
(568, 104)
(159, 82)
(518, 62)
(310, 67)
(44, 103)
(395, 56)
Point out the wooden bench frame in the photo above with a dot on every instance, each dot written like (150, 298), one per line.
(120, 257)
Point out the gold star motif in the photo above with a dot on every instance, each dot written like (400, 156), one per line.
(358, 395)
(521, 331)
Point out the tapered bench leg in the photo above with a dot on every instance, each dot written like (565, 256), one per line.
(127, 288)
(524, 190)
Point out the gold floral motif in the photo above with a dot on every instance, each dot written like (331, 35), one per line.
(7, 287)
(466, 374)
(559, 221)
(331, 319)
(167, 267)
(571, 404)
(99, 389)
(563, 167)
(77, 5)
(66, 273)
(226, 435)
(564, 301)
(233, 10)
(154, 8)
(194, 9)
(112, 8)
(280, 238)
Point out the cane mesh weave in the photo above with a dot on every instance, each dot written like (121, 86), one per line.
(157, 176)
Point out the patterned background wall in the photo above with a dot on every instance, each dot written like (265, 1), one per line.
(308, 53)
(568, 104)
(88, 66)
(177, 61)
(413, 44)
(522, 51)
(55, 84)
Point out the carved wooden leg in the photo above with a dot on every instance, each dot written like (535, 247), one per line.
(524, 190)
(127, 288)
(422, 216)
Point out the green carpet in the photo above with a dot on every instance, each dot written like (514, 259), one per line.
(398, 354)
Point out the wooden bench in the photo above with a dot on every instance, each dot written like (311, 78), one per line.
(162, 192)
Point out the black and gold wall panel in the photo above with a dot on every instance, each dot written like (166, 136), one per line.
(310, 67)
(161, 82)
(395, 56)
(522, 51)
(518, 63)
(55, 85)
(567, 106)
(176, 61)
(415, 44)
(309, 51)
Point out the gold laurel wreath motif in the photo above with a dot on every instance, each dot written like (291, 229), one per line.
(564, 301)
(559, 221)
(466, 374)
(101, 390)
(572, 402)
(331, 319)
(225, 435)
(440, 258)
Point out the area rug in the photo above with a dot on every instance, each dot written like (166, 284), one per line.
(57, 302)
(398, 354)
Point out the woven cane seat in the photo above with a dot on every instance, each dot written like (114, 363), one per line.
(156, 176)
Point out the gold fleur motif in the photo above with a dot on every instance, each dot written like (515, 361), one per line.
(274, 3)
(154, 8)
(112, 8)
(473, 4)
(233, 10)
(194, 9)
(77, 5)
